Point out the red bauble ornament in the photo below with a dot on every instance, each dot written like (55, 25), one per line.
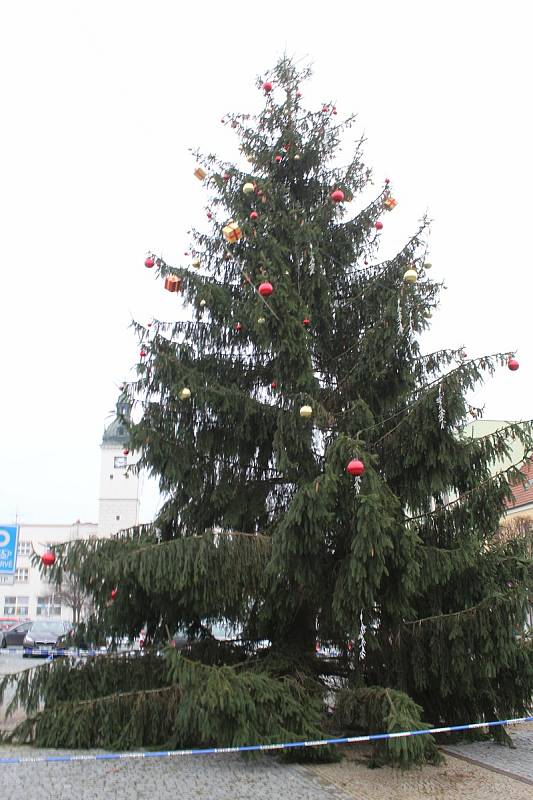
(209, 215)
(267, 87)
(355, 467)
(48, 558)
(306, 322)
(265, 289)
(387, 181)
(114, 593)
(274, 385)
(334, 110)
(277, 159)
(298, 94)
(253, 215)
(149, 262)
(142, 353)
(226, 176)
(325, 109)
(513, 364)
(378, 225)
(125, 451)
(337, 196)
(238, 326)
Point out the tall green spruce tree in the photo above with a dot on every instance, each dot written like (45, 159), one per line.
(301, 355)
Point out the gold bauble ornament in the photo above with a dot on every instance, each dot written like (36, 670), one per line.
(428, 265)
(261, 320)
(410, 276)
(248, 188)
(196, 263)
(185, 393)
(306, 411)
(296, 157)
(202, 303)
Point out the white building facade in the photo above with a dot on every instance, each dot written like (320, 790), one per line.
(119, 483)
(26, 593)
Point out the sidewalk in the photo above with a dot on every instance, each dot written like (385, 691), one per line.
(474, 771)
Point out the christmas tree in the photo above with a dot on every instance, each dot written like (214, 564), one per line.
(320, 500)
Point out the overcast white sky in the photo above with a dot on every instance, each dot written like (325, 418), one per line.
(100, 102)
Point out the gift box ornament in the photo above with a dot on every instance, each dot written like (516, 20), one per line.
(232, 232)
(172, 283)
(390, 202)
(200, 173)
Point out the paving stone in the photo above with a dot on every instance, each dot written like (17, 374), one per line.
(517, 760)
(224, 777)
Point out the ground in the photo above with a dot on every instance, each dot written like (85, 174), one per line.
(471, 772)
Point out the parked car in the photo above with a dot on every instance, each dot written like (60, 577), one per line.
(15, 634)
(44, 634)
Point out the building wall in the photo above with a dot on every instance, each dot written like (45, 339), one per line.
(119, 491)
(27, 593)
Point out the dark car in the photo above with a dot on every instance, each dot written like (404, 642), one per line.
(15, 634)
(44, 635)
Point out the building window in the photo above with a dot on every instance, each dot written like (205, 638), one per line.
(120, 462)
(117, 517)
(110, 477)
(24, 549)
(7, 579)
(16, 606)
(49, 606)
(22, 575)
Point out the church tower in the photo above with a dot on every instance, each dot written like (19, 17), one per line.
(119, 486)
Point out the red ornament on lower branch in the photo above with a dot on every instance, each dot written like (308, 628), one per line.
(149, 262)
(238, 327)
(355, 467)
(114, 593)
(306, 322)
(513, 364)
(378, 225)
(48, 559)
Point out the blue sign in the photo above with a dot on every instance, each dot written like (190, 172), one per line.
(9, 535)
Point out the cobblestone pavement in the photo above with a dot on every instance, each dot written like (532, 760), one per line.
(515, 761)
(230, 777)
(225, 777)
(473, 779)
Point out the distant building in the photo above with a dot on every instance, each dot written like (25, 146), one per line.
(119, 485)
(25, 593)
(522, 503)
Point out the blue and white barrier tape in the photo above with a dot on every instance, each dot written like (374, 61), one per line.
(47, 652)
(373, 737)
